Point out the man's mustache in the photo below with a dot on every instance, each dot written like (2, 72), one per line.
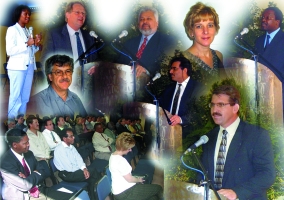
(216, 114)
(64, 80)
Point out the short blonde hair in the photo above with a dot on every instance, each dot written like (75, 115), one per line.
(199, 12)
(124, 141)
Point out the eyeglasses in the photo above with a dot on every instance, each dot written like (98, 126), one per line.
(78, 12)
(67, 72)
(219, 105)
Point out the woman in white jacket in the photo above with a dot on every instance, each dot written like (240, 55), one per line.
(20, 47)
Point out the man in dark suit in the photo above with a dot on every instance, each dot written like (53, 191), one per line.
(149, 53)
(17, 182)
(177, 97)
(271, 50)
(243, 168)
(63, 40)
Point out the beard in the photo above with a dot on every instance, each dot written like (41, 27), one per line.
(146, 32)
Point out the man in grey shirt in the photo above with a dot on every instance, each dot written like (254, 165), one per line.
(57, 99)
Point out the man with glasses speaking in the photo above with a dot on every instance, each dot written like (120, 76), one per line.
(57, 99)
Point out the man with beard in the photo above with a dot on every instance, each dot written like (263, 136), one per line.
(149, 47)
(57, 99)
(270, 45)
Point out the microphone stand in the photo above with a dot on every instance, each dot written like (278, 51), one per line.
(206, 183)
(82, 59)
(156, 101)
(254, 55)
(134, 64)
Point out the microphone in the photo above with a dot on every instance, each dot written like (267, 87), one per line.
(244, 31)
(203, 140)
(100, 111)
(123, 33)
(157, 76)
(31, 32)
(93, 34)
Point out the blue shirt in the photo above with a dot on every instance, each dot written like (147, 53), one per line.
(48, 102)
(67, 158)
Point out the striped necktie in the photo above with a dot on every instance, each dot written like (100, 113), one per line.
(219, 171)
(141, 49)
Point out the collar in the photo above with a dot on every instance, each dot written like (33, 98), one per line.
(18, 156)
(66, 146)
(54, 95)
(272, 34)
(71, 31)
(184, 83)
(233, 127)
(148, 37)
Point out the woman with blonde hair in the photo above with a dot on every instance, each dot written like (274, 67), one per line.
(124, 185)
(202, 25)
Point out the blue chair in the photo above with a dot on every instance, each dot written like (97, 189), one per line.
(76, 185)
(99, 164)
(108, 175)
(103, 188)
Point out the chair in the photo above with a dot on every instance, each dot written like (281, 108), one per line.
(5, 75)
(108, 175)
(103, 188)
(76, 185)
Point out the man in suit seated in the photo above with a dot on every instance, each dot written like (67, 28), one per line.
(177, 97)
(20, 170)
(57, 99)
(238, 156)
(70, 164)
(20, 122)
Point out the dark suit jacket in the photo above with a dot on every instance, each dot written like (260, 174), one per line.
(192, 91)
(58, 42)
(121, 129)
(274, 55)
(158, 45)
(11, 165)
(249, 168)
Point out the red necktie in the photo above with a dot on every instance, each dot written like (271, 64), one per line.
(141, 49)
(34, 192)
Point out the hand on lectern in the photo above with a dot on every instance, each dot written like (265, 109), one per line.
(175, 119)
(228, 193)
(140, 70)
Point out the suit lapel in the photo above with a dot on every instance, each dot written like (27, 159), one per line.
(66, 40)
(233, 150)
(211, 153)
(185, 96)
(19, 164)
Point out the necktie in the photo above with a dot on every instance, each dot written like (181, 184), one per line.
(52, 136)
(79, 44)
(175, 103)
(141, 49)
(267, 41)
(219, 171)
(34, 192)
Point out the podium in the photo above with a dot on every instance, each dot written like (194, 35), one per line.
(269, 87)
(109, 87)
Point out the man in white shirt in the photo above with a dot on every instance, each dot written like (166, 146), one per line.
(177, 97)
(52, 139)
(102, 143)
(71, 165)
(38, 144)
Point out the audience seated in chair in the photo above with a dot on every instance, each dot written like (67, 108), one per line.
(102, 143)
(51, 137)
(71, 165)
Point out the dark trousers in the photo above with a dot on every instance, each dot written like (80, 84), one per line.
(78, 176)
(141, 192)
